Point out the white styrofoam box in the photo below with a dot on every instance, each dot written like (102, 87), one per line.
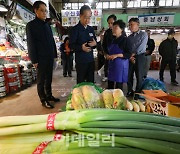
(2, 89)
(2, 94)
(13, 84)
(1, 73)
(12, 75)
(2, 79)
(2, 84)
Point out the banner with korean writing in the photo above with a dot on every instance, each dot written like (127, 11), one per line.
(71, 17)
(155, 19)
(25, 14)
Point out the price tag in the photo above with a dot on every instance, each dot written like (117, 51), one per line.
(159, 108)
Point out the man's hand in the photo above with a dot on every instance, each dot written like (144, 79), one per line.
(147, 52)
(112, 57)
(85, 48)
(35, 65)
(108, 57)
(132, 59)
(92, 43)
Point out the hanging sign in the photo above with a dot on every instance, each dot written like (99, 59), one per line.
(155, 19)
(25, 14)
(167, 19)
(71, 17)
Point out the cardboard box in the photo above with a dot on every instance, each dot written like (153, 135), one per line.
(159, 102)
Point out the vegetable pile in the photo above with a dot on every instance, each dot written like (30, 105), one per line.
(175, 93)
(87, 97)
(128, 132)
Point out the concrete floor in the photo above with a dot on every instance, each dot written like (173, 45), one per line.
(26, 102)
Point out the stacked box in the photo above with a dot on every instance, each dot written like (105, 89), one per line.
(12, 77)
(2, 82)
(27, 77)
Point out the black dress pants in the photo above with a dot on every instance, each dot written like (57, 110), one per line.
(44, 78)
(67, 65)
(172, 67)
(85, 72)
(138, 69)
(100, 61)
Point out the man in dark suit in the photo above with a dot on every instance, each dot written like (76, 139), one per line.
(82, 42)
(42, 51)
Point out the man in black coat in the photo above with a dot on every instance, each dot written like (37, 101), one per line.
(42, 51)
(168, 51)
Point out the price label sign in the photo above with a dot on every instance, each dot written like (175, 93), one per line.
(159, 107)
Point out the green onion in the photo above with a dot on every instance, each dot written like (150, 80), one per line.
(134, 132)
(155, 146)
(129, 124)
(151, 134)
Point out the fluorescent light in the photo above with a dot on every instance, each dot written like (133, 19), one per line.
(152, 30)
(90, 1)
(166, 30)
(159, 30)
(3, 9)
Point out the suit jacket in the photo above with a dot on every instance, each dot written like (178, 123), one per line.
(78, 36)
(150, 46)
(40, 41)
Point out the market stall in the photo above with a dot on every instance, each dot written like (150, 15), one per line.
(94, 120)
(98, 120)
(90, 131)
(14, 61)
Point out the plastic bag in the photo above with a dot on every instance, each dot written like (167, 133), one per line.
(98, 89)
(152, 84)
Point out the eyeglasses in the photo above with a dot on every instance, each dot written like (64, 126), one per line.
(43, 11)
(87, 17)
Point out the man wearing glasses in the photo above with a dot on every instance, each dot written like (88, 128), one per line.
(138, 41)
(42, 51)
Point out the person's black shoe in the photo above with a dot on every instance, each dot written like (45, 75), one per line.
(136, 97)
(52, 98)
(175, 83)
(178, 69)
(130, 94)
(47, 105)
(161, 79)
(65, 75)
(70, 75)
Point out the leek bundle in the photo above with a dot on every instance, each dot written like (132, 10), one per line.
(132, 132)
